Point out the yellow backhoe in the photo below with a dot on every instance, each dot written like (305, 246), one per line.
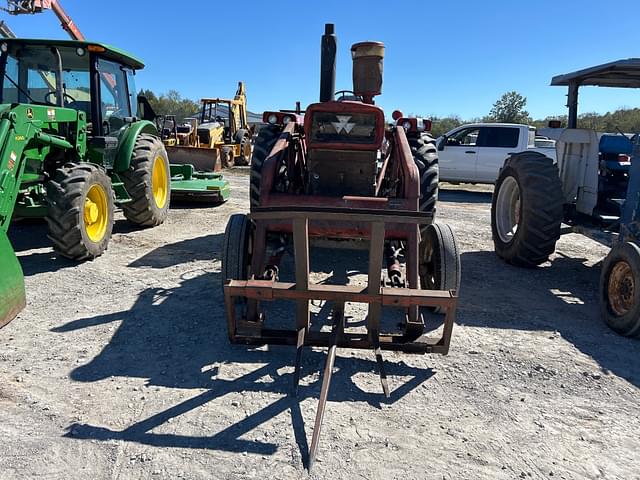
(218, 138)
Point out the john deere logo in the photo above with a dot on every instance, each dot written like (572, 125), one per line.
(29, 113)
(343, 124)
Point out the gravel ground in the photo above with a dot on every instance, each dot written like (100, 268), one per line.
(121, 368)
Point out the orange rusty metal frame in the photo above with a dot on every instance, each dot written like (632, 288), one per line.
(252, 331)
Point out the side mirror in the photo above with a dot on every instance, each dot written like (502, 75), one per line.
(443, 142)
(145, 110)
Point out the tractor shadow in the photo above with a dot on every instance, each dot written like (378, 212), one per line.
(27, 235)
(206, 247)
(177, 338)
(560, 297)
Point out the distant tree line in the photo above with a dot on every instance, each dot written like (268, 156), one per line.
(171, 103)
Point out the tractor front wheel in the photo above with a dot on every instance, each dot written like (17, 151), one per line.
(80, 213)
(620, 289)
(236, 248)
(440, 267)
(148, 182)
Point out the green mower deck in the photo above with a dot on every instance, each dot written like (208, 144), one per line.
(188, 184)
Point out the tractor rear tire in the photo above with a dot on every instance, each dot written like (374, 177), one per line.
(527, 209)
(81, 211)
(148, 182)
(440, 266)
(267, 138)
(425, 156)
(236, 248)
(244, 139)
(620, 289)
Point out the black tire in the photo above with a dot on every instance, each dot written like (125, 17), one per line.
(620, 289)
(244, 139)
(67, 198)
(226, 157)
(236, 248)
(440, 266)
(425, 155)
(144, 209)
(535, 209)
(265, 141)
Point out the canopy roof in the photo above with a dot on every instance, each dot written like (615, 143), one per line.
(621, 73)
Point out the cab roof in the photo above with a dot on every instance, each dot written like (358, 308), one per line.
(111, 53)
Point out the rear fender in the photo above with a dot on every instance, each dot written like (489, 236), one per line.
(127, 142)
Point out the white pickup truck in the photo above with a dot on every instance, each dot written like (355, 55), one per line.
(476, 152)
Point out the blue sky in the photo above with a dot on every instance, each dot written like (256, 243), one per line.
(441, 57)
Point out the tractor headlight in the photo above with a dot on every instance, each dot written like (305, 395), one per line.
(286, 119)
(80, 51)
(272, 119)
(406, 125)
(4, 47)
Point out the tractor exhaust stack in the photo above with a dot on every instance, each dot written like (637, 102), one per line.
(329, 46)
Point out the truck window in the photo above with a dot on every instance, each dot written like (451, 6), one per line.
(465, 137)
(498, 137)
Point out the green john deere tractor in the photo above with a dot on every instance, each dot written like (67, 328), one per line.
(75, 141)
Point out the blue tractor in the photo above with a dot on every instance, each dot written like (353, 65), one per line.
(593, 188)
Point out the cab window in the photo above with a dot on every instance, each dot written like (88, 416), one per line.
(114, 98)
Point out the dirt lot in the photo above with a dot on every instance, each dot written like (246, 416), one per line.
(121, 368)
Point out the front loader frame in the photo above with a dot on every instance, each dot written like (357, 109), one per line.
(250, 329)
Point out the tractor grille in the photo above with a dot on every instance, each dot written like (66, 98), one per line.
(342, 172)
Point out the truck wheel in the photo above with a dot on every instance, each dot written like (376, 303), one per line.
(148, 182)
(236, 248)
(244, 139)
(267, 138)
(527, 209)
(620, 289)
(440, 267)
(80, 213)
(425, 155)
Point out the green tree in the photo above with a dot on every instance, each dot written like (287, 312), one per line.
(171, 103)
(441, 125)
(509, 108)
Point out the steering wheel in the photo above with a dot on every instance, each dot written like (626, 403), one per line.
(65, 95)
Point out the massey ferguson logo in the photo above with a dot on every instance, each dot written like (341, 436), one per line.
(343, 124)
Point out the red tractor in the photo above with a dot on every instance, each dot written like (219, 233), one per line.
(340, 172)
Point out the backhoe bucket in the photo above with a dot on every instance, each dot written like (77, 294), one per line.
(202, 159)
(12, 295)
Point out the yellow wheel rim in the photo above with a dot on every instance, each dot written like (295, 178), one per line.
(159, 182)
(96, 213)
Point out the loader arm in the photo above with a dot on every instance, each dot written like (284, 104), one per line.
(21, 127)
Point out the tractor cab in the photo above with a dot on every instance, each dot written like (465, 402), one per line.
(84, 76)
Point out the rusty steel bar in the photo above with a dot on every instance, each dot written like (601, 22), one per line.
(326, 383)
(301, 259)
(266, 290)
